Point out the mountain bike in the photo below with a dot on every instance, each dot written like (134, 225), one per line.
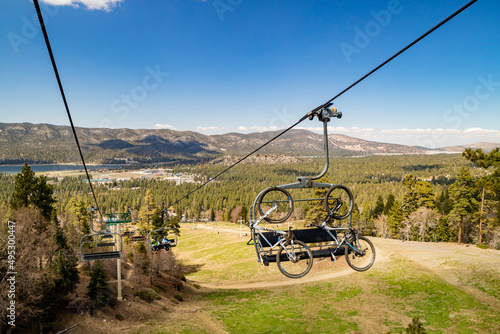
(293, 258)
(359, 250)
(338, 202)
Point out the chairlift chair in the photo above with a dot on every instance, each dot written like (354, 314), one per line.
(89, 243)
(102, 240)
(158, 233)
(118, 218)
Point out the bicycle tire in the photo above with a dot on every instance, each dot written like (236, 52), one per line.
(337, 201)
(363, 261)
(302, 263)
(282, 199)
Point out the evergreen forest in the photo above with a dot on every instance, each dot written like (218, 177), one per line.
(412, 197)
(428, 198)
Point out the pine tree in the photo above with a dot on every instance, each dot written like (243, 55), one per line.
(410, 199)
(32, 190)
(491, 183)
(156, 219)
(317, 211)
(389, 203)
(243, 213)
(65, 263)
(147, 208)
(463, 194)
(482, 159)
(443, 232)
(379, 207)
(445, 203)
(98, 290)
(173, 223)
(425, 195)
(356, 216)
(78, 218)
(394, 220)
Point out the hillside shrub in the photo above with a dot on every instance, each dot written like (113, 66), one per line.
(148, 295)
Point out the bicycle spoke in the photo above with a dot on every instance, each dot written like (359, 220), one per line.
(362, 254)
(279, 198)
(339, 201)
(294, 260)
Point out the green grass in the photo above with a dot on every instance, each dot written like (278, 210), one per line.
(264, 311)
(387, 298)
(439, 304)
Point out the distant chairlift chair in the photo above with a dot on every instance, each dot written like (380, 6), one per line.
(102, 245)
(158, 234)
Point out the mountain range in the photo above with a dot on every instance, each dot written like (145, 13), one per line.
(46, 143)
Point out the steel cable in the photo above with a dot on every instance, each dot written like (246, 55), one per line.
(311, 113)
(56, 72)
(324, 105)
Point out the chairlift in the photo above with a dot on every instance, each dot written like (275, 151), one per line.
(162, 231)
(324, 115)
(118, 218)
(91, 242)
(102, 245)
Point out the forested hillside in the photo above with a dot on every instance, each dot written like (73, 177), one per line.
(413, 197)
(451, 198)
(46, 143)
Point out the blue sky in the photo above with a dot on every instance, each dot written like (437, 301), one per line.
(219, 66)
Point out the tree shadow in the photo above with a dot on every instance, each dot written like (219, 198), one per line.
(193, 268)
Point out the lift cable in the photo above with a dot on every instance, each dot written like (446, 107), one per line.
(237, 162)
(56, 72)
(310, 114)
(401, 51)
(313, 112)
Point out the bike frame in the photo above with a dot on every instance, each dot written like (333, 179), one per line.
(345, 230)
(258, 229)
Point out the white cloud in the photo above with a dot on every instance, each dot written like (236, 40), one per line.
(430, 138)
(264, 128)
(482, 132)
(164, 126)
(207, 128)
(242, 128)
(339, 129)
(105, 5)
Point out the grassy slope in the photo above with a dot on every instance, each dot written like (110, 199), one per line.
(383, 299)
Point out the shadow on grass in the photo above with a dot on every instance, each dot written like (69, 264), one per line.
(193, 268)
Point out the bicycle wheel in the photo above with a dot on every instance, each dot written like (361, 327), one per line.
(278, 197)
(339, 201)
(361, 255)
(295, 259)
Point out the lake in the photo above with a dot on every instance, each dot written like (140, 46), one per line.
(14, 169)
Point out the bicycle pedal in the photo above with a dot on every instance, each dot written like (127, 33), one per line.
(334, 259)
(266, 263)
